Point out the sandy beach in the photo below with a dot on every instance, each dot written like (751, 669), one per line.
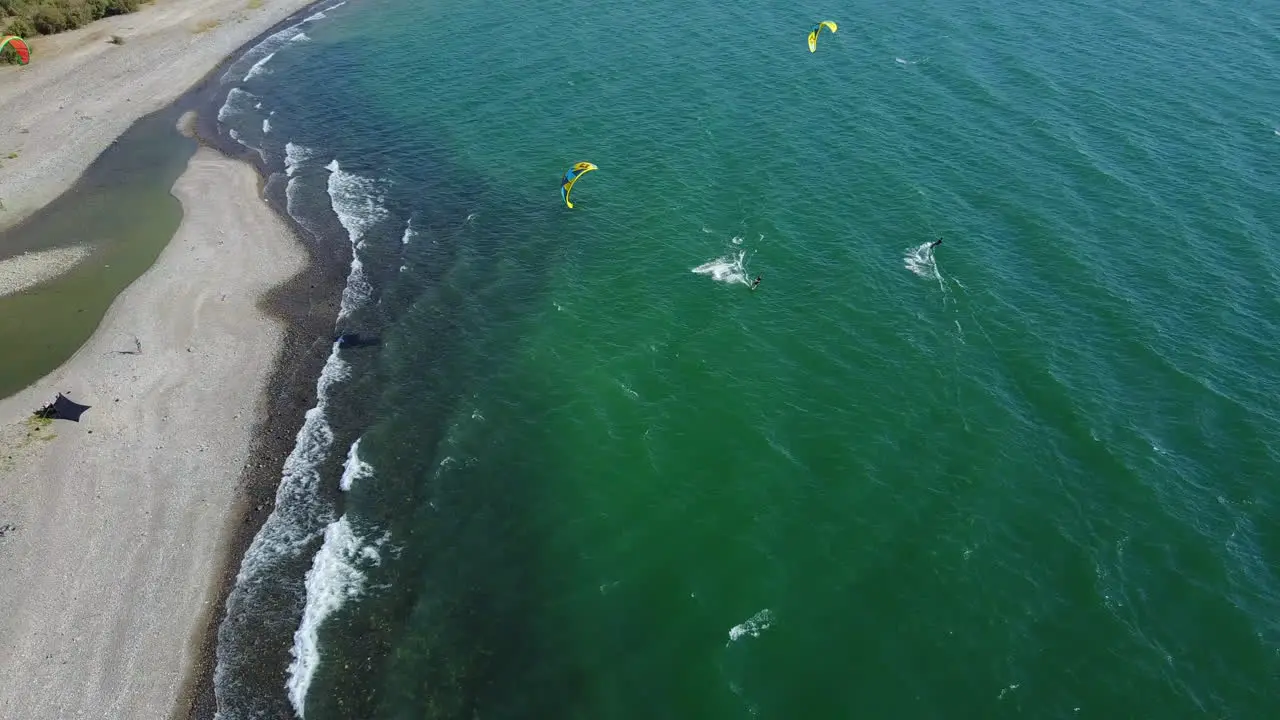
(115, 527)
(81, 91)
(118, 534)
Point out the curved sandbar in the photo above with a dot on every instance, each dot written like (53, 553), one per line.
(30, 269)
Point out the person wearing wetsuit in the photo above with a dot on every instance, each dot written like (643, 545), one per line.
(756, 284)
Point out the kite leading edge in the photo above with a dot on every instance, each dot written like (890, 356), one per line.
(813, 33)
(571, 177)
(19, 46)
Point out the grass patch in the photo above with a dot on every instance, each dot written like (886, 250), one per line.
(254, 4)
(15, 439)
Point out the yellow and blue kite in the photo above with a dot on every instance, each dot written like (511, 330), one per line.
(571, 177)
(813, 33)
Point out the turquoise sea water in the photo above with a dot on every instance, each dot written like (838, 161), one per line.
(1029, 473)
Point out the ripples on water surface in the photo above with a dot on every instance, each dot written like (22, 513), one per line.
(1026, 473)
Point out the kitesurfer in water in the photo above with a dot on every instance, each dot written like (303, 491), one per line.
(756, 283)
(935, 243)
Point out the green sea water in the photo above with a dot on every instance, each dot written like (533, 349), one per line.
(1028, 473)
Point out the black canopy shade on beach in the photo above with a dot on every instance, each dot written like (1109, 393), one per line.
(62, 409)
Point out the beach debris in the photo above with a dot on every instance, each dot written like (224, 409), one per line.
(7, 528)
(62, 408)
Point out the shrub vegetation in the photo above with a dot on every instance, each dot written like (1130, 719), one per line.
(30, 18)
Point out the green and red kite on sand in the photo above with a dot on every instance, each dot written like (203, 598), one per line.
(19, 46)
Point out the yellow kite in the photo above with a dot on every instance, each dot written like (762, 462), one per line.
(813, 33)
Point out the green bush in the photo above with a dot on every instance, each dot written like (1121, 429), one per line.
(28, 18)
(21, 27)
(121, 7)
(50, 20)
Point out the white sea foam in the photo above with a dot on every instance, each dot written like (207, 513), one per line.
(300, 476)
(273, 43)
(235, 135)
(299, 510)
(725, 269)
(321, 15)
(358, 289)
(354, 468)
(258, 67)
(291, 190)
(335, 576)
(409, 234)
(357, 201)
(238, 102)
(266, 126)
(254, 56)
(755, 625)
(295, 155)
(919, 260)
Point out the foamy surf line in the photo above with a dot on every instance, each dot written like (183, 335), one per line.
(301, 514)
(354, 468)
(271, 45)
(295, 155)
(336, 576)
(357, 201)
(298, 514)
(257, 68)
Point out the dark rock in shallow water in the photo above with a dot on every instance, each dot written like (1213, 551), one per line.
(346, 340)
